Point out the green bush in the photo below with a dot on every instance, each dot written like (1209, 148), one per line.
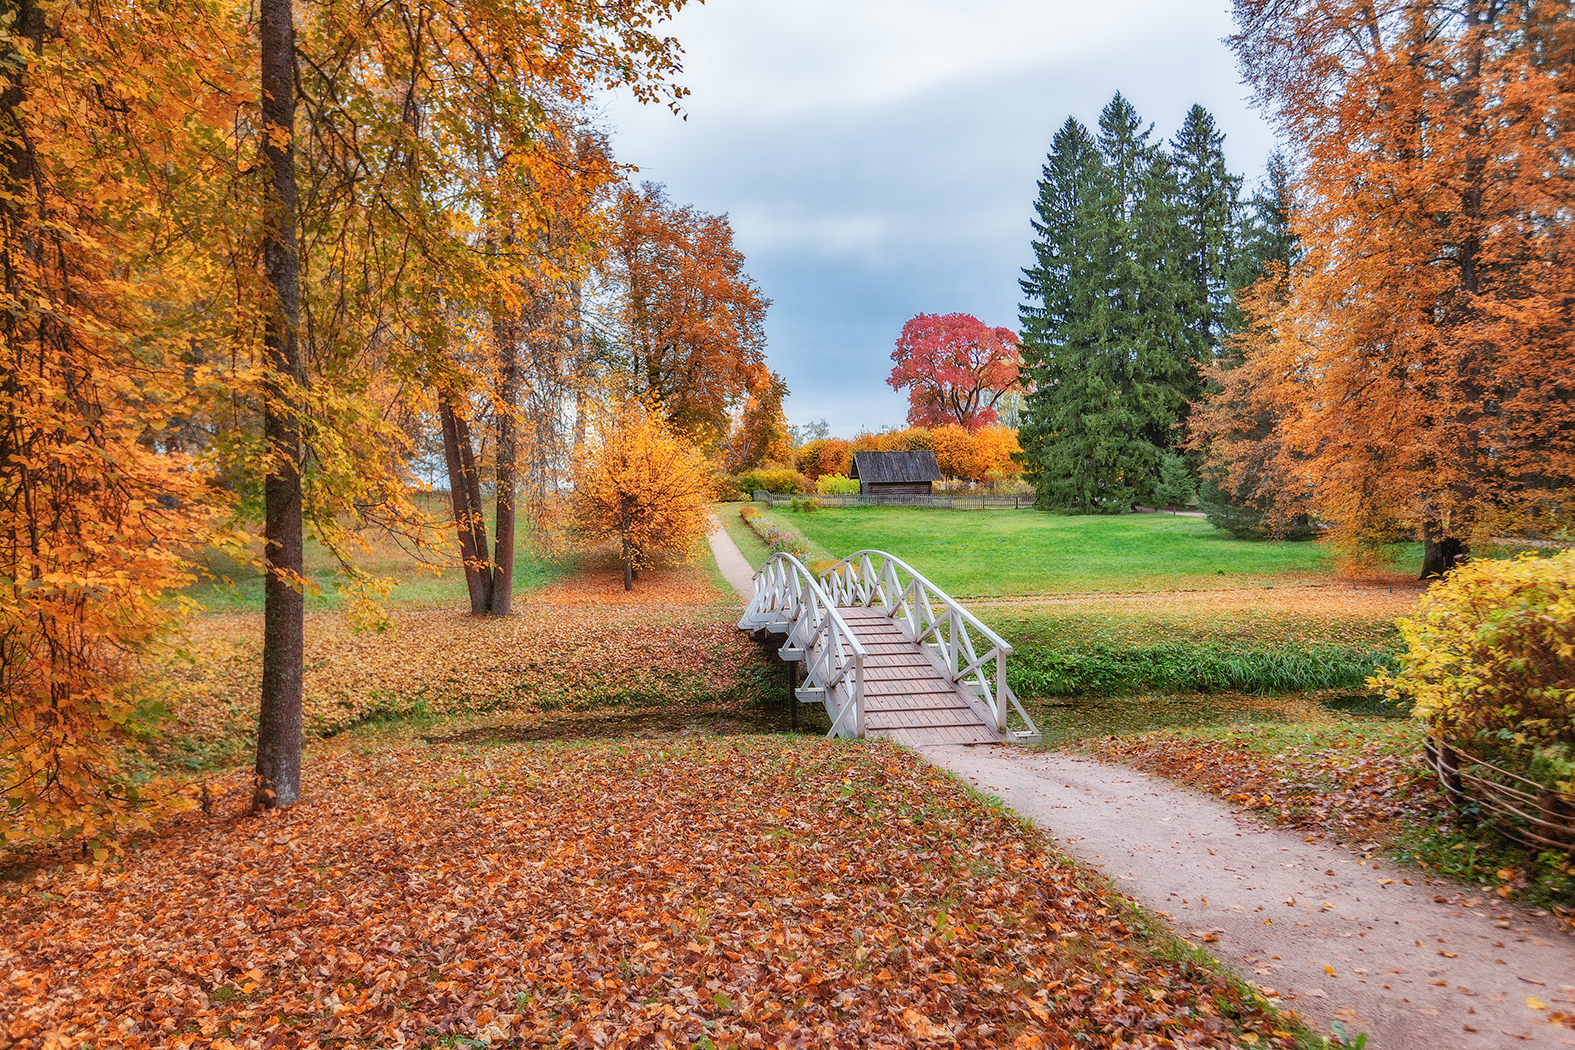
(1098, 670)
(836, 485)
(1491, 658)
(778, 480)
(805, 505)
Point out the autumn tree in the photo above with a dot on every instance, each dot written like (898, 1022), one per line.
(1422, 350)
(688, 323)
(111, 208)
(760, 432)
(955, 368)
(638, 480)
(421, 128)
(827, 455)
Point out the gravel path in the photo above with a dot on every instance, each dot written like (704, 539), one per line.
(1332, 935)
(735, 567)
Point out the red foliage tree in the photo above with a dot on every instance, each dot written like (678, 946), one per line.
(955, 368)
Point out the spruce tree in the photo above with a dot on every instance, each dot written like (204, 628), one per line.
(1107, 339)
(1263, 235)
(1207, 208)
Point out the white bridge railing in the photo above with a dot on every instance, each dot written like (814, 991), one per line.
(789, 600)
(935, 620)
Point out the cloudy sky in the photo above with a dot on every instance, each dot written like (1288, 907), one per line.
(878, 158)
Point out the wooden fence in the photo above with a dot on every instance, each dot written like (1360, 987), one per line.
(950, 501)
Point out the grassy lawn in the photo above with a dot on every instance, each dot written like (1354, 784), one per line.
(994, 553)
(423, 578)
(722, 893)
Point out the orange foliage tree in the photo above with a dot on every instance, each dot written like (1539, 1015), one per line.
(825, 456)
(108, 207)
(690, 321)
(421, 137)
(636, 479)
(982, 455)
(760, 433)
(1420, 362)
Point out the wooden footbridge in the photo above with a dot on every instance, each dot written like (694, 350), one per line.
(888, 653)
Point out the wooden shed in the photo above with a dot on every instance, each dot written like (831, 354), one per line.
(895, 473)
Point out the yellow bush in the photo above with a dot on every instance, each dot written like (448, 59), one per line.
(1491, 654)
(836, 485)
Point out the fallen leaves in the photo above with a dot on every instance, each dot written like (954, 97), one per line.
(746, 891)
(1324, 778)
(581, 644)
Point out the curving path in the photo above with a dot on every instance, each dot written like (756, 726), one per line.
(1331, 935)
(1334, 936)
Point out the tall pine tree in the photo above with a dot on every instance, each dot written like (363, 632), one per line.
(1206, 207)
(1238, 486)
(1105, 320)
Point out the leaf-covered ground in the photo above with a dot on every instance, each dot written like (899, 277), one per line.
(583, 643)
(733, 892)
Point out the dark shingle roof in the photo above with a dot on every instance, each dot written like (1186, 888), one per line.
(886, 467)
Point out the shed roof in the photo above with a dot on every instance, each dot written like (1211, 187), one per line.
(887, 467)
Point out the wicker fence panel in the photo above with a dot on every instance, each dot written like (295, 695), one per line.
(1523, 809)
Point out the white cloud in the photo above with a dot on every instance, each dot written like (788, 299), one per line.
(879, 157)
(856, 56)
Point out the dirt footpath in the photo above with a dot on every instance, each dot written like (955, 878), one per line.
(1334, 937)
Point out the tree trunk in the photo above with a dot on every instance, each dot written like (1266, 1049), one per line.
(278, 770)
(1440, 555)
(478, 519)
(628, 548)
(464, 517)
(505, 332)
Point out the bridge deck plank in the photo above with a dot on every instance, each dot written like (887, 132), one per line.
(906, 697)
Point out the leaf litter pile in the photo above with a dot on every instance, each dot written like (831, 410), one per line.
(737, 892)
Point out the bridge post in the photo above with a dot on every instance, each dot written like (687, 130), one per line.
(792, 680)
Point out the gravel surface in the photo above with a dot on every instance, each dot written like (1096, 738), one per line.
(735, 568)
(1412, 962)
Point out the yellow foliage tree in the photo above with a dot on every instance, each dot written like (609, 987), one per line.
(637, 480)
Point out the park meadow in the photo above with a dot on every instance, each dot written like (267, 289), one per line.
(428, 553)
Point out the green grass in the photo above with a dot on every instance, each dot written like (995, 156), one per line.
(981, 553)
(226, 585)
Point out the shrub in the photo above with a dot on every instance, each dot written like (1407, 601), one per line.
(836, 485)
(727, 489)
(780, 540)
(1491, 657)
(782, 481)
(810, 503)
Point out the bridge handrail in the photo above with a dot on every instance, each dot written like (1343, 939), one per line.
(935, 618)
(787, 595)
